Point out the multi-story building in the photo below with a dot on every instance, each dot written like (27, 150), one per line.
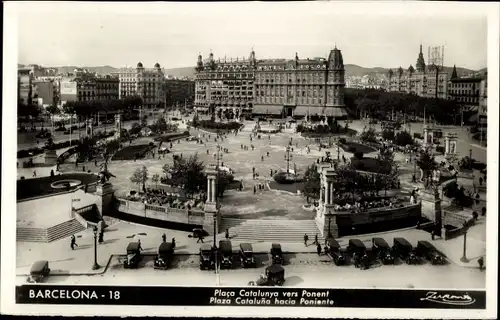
(25, 85)
(483, 100)
(465, 91)
(425, 81)
(45, 92)
(179, 91)
(86, 89)
(68, 90)
(107, 88)
(279, 87)
(143, 82)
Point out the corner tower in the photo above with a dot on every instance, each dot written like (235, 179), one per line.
(335, 79)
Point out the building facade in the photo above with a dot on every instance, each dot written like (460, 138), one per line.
(179, 92)
(107, 88)
(425, 81)
(68, 90)
(483, 100)
(45, 92)
(277, 87)
(143, 82)
(465, 91)
(25, 85)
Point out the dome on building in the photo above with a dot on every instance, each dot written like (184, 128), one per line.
(411, 69)
(139, 65)
(157, 65)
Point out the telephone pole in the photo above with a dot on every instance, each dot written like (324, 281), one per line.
(218, 157)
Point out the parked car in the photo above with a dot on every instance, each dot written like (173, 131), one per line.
(165, 254)
(246, 255)
(274, 275)
(428, 251)
(276, 253)
(334, 250)
(358, 252)
(39, 271)
(133, 255)
(207, 257)
(226, 254)
(404, 250)
(382, 250)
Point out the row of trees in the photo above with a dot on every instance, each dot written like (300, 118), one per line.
(379, 104)
(402, 138)
(189, 174)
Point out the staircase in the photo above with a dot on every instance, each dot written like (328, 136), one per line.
(270, 230)
(53, 233)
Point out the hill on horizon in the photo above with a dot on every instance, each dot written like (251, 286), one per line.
(189, 72)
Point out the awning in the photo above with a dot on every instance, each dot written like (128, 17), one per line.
(267, 109)
(319, 111)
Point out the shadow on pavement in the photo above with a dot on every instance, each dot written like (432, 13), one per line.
(293, 281)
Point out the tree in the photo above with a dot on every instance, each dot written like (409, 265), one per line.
(312, 184)
(144, 121)
(140, 176)
(188, 174)
(155, 178)
(53, 110)
(136, 128)
(426, 163)
(49, 144)
(368, 135)
(388, 135)
(404, 138)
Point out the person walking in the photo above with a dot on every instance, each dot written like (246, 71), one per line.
(306, 238)
(480, 261)
(480, 181)
(227, 234)
(316, 239)
(254, 189)
(318, 249)
(200, 238)
(140, 246)
(164, 237)
(73, 242)
(34, 173)
(433, 234)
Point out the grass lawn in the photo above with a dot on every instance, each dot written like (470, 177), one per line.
(352, 147)
(129, 152)
(370, 165)
(36, 187)
(349, 132)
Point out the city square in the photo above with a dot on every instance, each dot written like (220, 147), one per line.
(293, 171)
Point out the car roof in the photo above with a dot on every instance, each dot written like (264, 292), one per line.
(133, 246)
(380, 242)
(356, 242)
(426, 244)
(165, 246)
(276, 246)
(402, 241)
(225, 245)
(39, 265)
(246, 246)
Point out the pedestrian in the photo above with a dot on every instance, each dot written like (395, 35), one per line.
(86, 187)
(418, 224)
(95, 162)
(73, 242)
(139, 242)
(173, 243)
(480, 261)
(200, 238)
(433, 234)
(51, 174)
(271, 172)
(227, 234)
(164, 237)
(34, 173)
(480, 181)
(318, 248)
(305, 239)
(241, 186)
(83, 168)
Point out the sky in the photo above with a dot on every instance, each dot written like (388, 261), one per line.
(173, 35)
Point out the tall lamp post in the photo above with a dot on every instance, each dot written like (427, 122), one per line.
(288, 157)
(96, 265)
(470, 159)
(217, 206)
(464, 254)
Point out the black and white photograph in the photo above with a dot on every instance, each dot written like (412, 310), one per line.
(292, 159)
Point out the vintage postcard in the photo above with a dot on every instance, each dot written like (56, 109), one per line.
(301, 159)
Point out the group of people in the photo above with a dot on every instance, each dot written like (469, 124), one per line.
(363, 206)
(161, 197)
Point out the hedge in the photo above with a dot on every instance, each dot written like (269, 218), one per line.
(172, 136)
(208, 124)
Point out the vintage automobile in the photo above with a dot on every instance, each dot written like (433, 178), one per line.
(382, 250)
(428, 251)
(246, 255)
(273, 276)
(198, 233)
(334, 251)
(404, 250)
(164, 258)
(276, 253)
(226, 254)
(207, 257)
(133, 255)
(358, 252)
(39, 270)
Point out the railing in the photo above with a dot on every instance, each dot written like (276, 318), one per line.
(155, 208)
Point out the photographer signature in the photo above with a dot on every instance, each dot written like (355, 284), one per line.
(446, 298)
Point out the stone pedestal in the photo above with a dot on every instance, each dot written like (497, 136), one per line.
(450, 147)
(212, 214)
(431, 205)
(118, 126)
(89, 129)
(325, 215)
(428, 136)
(104, 203)
(51, 157)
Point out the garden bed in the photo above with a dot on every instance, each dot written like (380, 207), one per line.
(370, 165)
(217, 127)
(349, 132)
(353, 147)
(133, 152)
(172, 136)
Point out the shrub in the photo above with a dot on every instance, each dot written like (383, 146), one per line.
(440, 149)
(358, 155)
(417, 135)
(342, 140)
(403, 138)
(209, 124)
(388, 135)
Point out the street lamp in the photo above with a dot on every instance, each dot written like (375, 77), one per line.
(464, 254)
(96, 265)
(288, 157)
(470, 159)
